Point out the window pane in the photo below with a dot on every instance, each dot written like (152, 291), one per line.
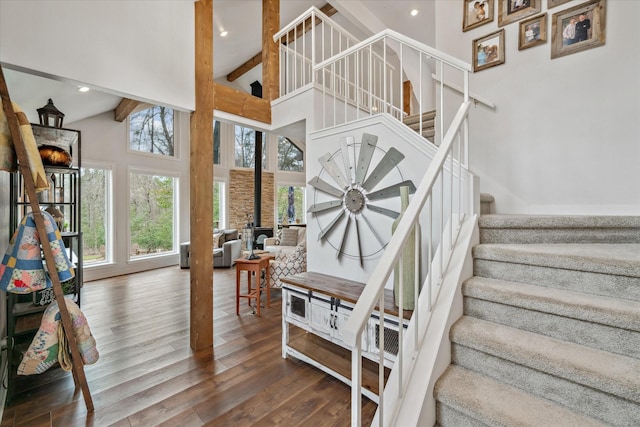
(291, 205)
(151, 131)
(218, 204)
(290, 157)
(245, 148)
(216, 142)
(96, 241)
(151, 214)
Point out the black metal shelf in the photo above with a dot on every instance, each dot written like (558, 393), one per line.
(24, 311)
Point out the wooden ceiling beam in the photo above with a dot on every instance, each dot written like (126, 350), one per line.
(245, 68)
(125, 108)
(241, 104)
(327, 9)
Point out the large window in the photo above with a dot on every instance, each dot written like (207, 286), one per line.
(245, 148)
(96, 213)
(151, 131)
(290, 157)
(291, 205)
(151, 214)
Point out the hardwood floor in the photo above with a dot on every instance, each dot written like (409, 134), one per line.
(148, 375)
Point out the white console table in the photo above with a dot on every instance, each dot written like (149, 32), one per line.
(321, 304)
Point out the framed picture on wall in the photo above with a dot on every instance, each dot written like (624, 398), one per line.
(554, 3)
(488, 51)
(514, 10)
(578, 28)
(533, 31)
(476, 13)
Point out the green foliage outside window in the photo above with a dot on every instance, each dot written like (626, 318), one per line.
(218, 196)
(290, 157)
(291, 209)
(151, 213)
(94, 212)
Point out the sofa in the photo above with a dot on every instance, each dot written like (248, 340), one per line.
(286, 240)
(227, 247)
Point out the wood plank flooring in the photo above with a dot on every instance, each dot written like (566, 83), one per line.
(147, 375)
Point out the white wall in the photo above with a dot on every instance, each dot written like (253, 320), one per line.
(565, 136)
(138, 49)
(142, 49)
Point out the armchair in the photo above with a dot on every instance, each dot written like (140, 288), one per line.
(227, 248)
(286, 264)
(227, 255)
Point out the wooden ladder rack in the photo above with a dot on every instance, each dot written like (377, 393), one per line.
(79, 377)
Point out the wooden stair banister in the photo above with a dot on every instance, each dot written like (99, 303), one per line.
(23, 160)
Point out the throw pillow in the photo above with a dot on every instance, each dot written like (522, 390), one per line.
(289, 237)
(302, 234)
(216, 240)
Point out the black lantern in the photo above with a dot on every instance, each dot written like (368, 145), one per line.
(50, 115)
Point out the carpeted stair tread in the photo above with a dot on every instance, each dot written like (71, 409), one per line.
(529, 229)
(611, 373)
(576, 305)
(557, 221)
(615, 259)
(493, 403)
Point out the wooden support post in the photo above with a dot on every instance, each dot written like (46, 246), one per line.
(201, 182)
(327, 9)
(270, 50)
(23, 160)
(407, 93)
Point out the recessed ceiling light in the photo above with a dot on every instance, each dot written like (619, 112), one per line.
(224, 33)
(414, 12)
(83, 89)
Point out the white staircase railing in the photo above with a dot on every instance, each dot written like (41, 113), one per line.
(359, 79)
(440, 204)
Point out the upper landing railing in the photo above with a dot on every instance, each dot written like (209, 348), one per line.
(308, 40)
(386, 73)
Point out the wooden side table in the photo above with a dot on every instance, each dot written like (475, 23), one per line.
(253, 266)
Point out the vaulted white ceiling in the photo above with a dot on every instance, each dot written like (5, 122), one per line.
(242, 19)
